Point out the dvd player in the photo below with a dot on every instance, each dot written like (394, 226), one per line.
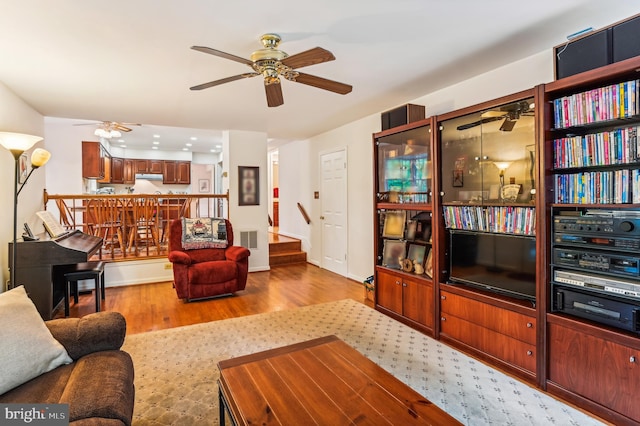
(595, 282)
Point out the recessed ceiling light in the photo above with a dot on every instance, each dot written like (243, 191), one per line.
(156, 136)
(154, 147)
(188, 144)
(212, 150)
(120, 140)
(185, 149)
(156, 143)
(123, 146)
(193, 138)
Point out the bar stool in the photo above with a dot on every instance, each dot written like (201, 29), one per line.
(84, 271)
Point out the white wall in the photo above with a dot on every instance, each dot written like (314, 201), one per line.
(299, 161)
(295, 169)
(16, 116)
(64, 141)
(242, 148)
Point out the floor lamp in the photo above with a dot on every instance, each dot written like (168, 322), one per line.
(17, 144)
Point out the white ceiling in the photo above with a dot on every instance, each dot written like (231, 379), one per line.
(130, 61)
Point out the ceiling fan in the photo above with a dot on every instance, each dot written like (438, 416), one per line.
(509, 113)
(110, 129)
(272, 64)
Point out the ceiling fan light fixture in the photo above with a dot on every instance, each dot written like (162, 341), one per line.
(107, 133)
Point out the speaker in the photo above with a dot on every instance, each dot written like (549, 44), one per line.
(402, 115)
(626, 39)
(615, 43)
(584, 54)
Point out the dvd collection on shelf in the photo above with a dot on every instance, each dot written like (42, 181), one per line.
(610, 102)
(598, 187)
(499, 219)
(619, 146)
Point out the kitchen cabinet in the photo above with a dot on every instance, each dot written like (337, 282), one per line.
(117, 170)
(107, 170)
(178, 172)
(148, 166)
(94, 156)
(122, 171)
(129, 176)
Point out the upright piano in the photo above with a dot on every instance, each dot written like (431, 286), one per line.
(41, 264)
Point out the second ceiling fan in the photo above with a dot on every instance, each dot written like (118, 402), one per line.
(272, 64)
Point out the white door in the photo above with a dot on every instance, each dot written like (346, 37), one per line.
(333, 197)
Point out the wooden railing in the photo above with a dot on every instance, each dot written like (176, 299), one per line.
(304, 214)
(132, 226)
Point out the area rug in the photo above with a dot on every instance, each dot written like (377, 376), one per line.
(176, 369)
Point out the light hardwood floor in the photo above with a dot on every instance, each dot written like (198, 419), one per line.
(149, 307)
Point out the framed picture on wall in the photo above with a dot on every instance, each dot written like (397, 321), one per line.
(248, 186)
(204, 185)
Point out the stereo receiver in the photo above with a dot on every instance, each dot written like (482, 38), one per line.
(598, 224)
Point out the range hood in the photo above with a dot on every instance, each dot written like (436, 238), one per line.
(149, 176)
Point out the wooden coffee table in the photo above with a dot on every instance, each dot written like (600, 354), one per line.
(322, 381)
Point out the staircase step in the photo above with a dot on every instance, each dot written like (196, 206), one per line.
(286, 258)
(285, 250)
(285, 247)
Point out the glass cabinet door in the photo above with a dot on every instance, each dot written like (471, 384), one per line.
(404, 167)
(461, 164)
(488, 157)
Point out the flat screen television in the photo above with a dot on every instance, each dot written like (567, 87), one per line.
(500, 263)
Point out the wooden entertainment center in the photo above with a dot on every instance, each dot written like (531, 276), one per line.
(466, 249)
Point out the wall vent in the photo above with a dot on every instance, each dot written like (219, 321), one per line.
(249, 239)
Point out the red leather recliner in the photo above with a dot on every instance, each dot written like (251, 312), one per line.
(208, 272)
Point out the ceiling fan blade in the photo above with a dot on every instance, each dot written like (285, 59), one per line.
(224, 80)
(123, 128)
(274, 94)
(317, 55)
(323, 83)
(507, 125)
(479, 122)
(222, 54)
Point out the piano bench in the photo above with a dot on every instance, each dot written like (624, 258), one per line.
(84, 271)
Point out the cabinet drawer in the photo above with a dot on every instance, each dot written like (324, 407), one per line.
(597, 368)
(501, 346)
(513, 324)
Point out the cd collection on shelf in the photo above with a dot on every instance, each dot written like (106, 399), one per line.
(610, 102)
(498, 219)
